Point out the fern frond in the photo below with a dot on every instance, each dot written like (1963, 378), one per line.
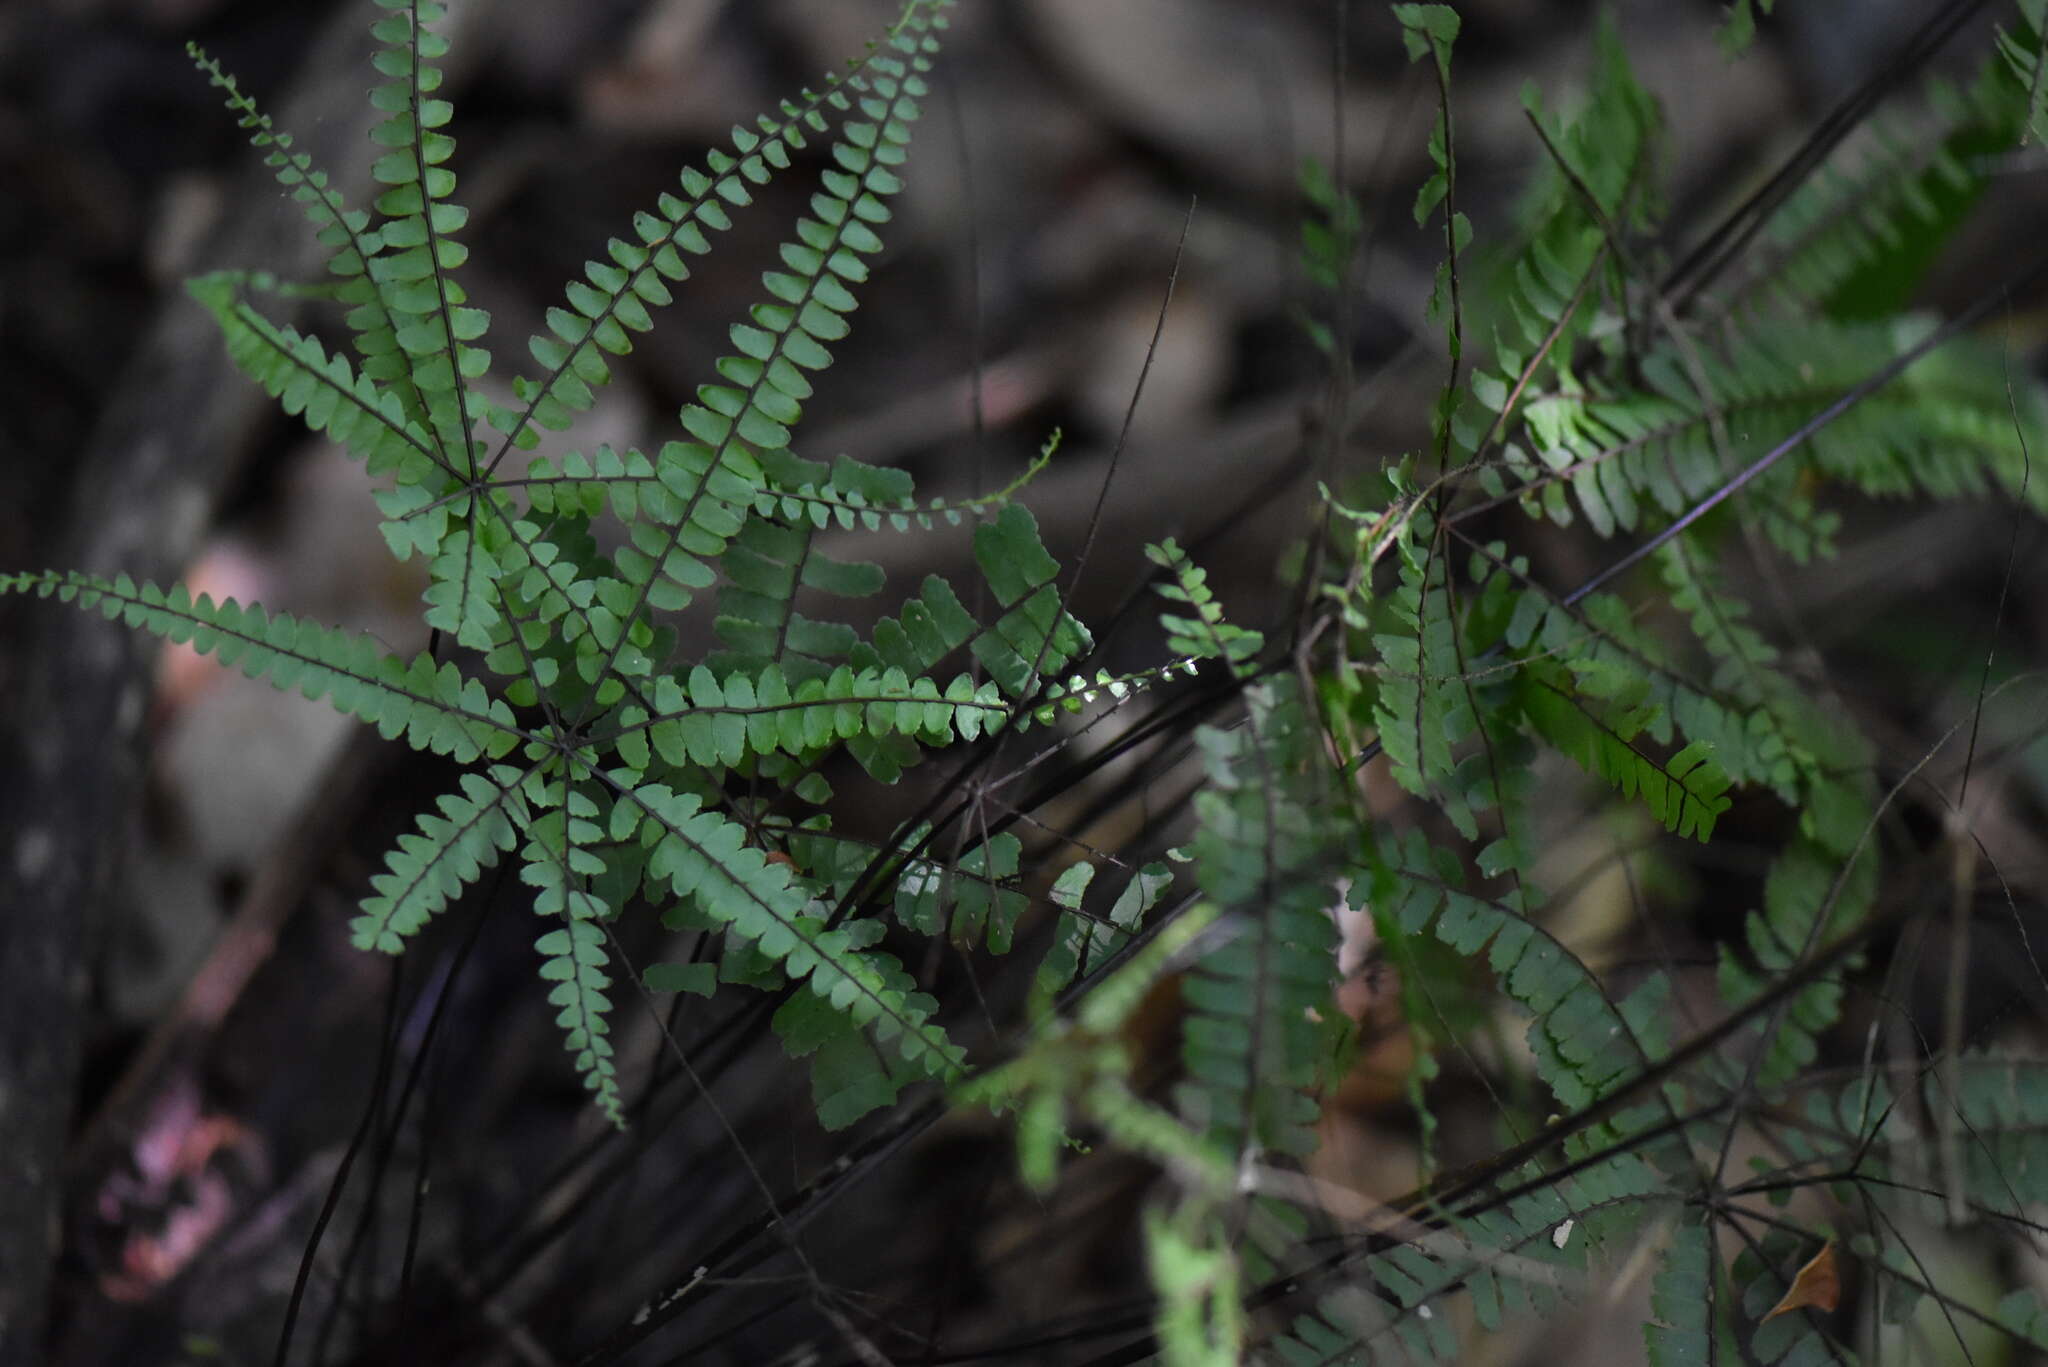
(1593, 719)
(351, 242)
(428, 703)
(1568, 285)
(1583, 1042)
(705, 860)
(350, 409)
(614, 297)
(1858, 236)
(1815, 760)
(1772, 736)
(1808, 899)
(559, 864)
(755, 409)
(717, 723)
(426, 871)
(873, 497)
(1420, 708)
(1258, 1008)
(1682, 1334)
(432, 328)
(1945, 426)
(1205, 636)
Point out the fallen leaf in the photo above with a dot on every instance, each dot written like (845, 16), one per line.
(1817, 1287)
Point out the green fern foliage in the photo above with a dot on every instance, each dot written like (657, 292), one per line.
(1609, 405)
(1253, 1036)
(616, 794)
(1859, 236)
(452, 849)
(431, 705)
(1594, 716)
(2029, 63)
(672, 683)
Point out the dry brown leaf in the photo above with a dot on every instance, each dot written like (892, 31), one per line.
(1817, 1287)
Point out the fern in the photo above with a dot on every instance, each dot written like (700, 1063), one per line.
(617, 790)
(1860, 234)
(1604, 404)
(640, 772)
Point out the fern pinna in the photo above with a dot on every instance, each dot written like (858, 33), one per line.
(600, 764)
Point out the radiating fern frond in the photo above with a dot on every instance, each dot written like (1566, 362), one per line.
(558, 862)
(874, 497)
(325, 392)
(1568, 286)
(426, 871)
(431, 704)
(704, 858)
(712, 722)
(351, 242)
(420, 219)
(732, 423)
(1420, 706)
(1945, 427)
(1815, 762)
(615, 295)
(1583, 1043)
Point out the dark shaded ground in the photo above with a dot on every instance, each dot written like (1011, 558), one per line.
(164, 822)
